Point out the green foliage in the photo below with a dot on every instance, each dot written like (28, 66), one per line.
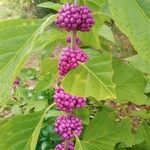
(144, 4)
(51, 5)
(106, 32)
(130, 83)
(83, 114)
(139, 63)
(92, 38)
(147, 88)
(133, 19)
(102, 133)
(96, 73)
(142, 113)
(18, 40)
(142, 146)
(20, 132)
(48, 74)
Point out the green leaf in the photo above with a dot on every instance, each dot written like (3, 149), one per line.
(53, 113)
(106, 32)
(130, 83)
(35, 104)
(139, 63)
(104, 10)
(143, 133)
(79, 145)
(94, 5)
(66, 1)
(137, 136)
(142, 146)
(133, 20)
(144, 4)
(92, 79)
(51, 5)
(123, 132)
(18, 38)
(147, 87)
(141, 113)
(16, 132)
(52, 39)
(22, 132)
(103, 134)
(90, 39)
(34, 138)
(48, 74)
(83, 114)
(16, 110)
(146, 132)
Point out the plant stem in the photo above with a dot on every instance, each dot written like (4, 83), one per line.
(73, 33)
(76, 2)
(66, 145)
(73, 38)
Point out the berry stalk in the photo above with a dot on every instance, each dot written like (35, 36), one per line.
(73, 39)
(76, 2)
(66, 145)
(74, 32)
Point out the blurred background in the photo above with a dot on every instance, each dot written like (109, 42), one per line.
(10, 9)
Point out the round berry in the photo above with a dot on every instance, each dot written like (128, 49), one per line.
(68, 126)
(70, 59)
(66, 102)
(62, 146)
(17, 81)
(67, 17)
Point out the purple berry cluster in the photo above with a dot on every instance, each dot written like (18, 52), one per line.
(68, 126)
(62, 146)
(87, 19)
(66, 102)
(77, 40)
(70, 59)
(73, 17)
(69, 17)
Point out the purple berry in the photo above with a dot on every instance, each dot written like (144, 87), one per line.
(17, 81)
(66, 102)
(78, 41)
(68, 14)
(68, 126)
(62, 146)
(87, 19)
(73, 17)
(70, 59)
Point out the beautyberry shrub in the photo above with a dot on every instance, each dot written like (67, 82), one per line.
(68, 126)
(70, 59)
(66, 102)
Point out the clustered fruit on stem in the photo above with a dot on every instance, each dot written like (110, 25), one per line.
(72, 18)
